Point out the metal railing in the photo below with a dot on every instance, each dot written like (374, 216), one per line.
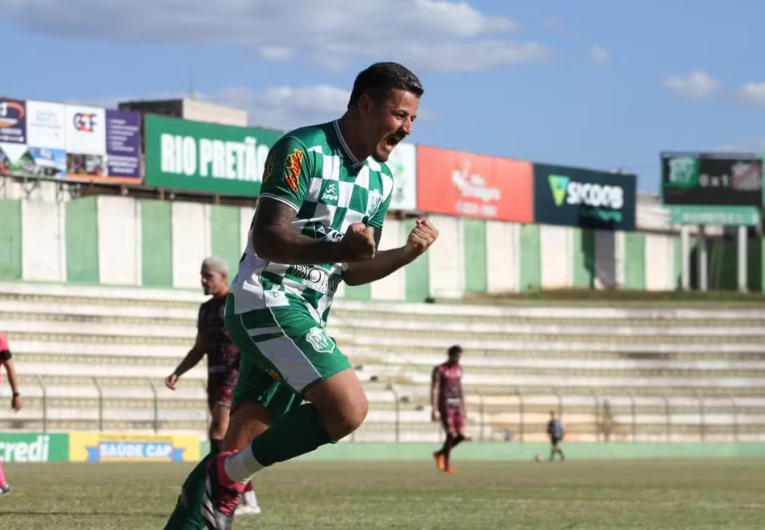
(514, 415)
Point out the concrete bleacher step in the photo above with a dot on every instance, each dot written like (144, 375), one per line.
(611, 331)
(385, 340)
(90, 329)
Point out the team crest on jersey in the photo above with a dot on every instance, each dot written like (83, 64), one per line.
(269, 169)
(293, 165)
(320, 341)
(374, 201)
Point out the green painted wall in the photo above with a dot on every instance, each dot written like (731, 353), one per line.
(358, 292)
(157, 243)
(504, 451)
(224, 235)
(476, 263)
(678, 264)
(584, 258)
(82, 240)
(762, 265)
(530, 276)
(634, 261)
(10, 239)
(417, 273)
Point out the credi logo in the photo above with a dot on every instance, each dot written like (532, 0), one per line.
(84, 121)
(604, 201)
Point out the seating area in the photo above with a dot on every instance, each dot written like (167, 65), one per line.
(94, 358)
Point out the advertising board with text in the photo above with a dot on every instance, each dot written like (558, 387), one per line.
(39, 139)
(712, 179)
(34, 447)
(403, 164)
(584, 198)
(106, 447)
(469, 185)
(191, 155)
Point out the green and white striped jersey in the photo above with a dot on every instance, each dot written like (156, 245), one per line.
(312, 170)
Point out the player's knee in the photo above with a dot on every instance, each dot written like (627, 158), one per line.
(217, 431)
(347, 418)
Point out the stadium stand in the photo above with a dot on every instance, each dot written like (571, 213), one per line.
(94, 358)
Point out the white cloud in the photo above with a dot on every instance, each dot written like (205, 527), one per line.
(437, 35)
(599, 55)
(285, 107)
(697, 85)
(752, 94)
(744, 146)
(282, 107)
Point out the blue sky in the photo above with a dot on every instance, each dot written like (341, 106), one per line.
(592, 83)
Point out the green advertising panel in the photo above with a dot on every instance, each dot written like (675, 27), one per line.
(208, 157)
(34, 447)
(714, 215)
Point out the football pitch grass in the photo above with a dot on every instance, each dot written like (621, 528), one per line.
(641, 494)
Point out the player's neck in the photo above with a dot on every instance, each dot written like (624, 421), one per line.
(222, 293)
(352, 139)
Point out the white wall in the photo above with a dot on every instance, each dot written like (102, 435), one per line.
(446, 263)
(43, 241)
(502, 256)
(119, 240)
(557, 244)
(659, 263)
(393, 287)
(191, 242)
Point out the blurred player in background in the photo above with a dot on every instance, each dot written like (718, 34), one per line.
(222, 361)
(556, 432)
(5, 359)
(448, 402)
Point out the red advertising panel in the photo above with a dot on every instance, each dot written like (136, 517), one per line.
(469, 185)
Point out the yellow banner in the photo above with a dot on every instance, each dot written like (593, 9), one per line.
(105, 447)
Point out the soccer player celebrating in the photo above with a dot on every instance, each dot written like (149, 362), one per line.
(5, 360)
(324, 197)
(448, 402)
(222, 361)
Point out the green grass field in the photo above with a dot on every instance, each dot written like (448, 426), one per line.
(646, 494)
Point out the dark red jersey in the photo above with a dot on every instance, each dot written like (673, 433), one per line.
(222, 355)
(449, 377)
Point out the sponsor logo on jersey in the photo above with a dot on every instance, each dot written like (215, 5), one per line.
(269, 169)
(318, 230)
(330, 193)
(293, 165)
(602, 202)
(316, 278)
(374, 201)
(320, 341)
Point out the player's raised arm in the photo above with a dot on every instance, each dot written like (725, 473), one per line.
(286, 179)
(387, 262)
(275, 240)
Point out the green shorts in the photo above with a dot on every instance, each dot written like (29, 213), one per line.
(285, 344)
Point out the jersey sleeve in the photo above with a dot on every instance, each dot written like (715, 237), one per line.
(5, 355)
(286, 176)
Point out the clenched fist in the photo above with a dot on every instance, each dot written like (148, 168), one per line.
(421, 237)
(358, 243)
